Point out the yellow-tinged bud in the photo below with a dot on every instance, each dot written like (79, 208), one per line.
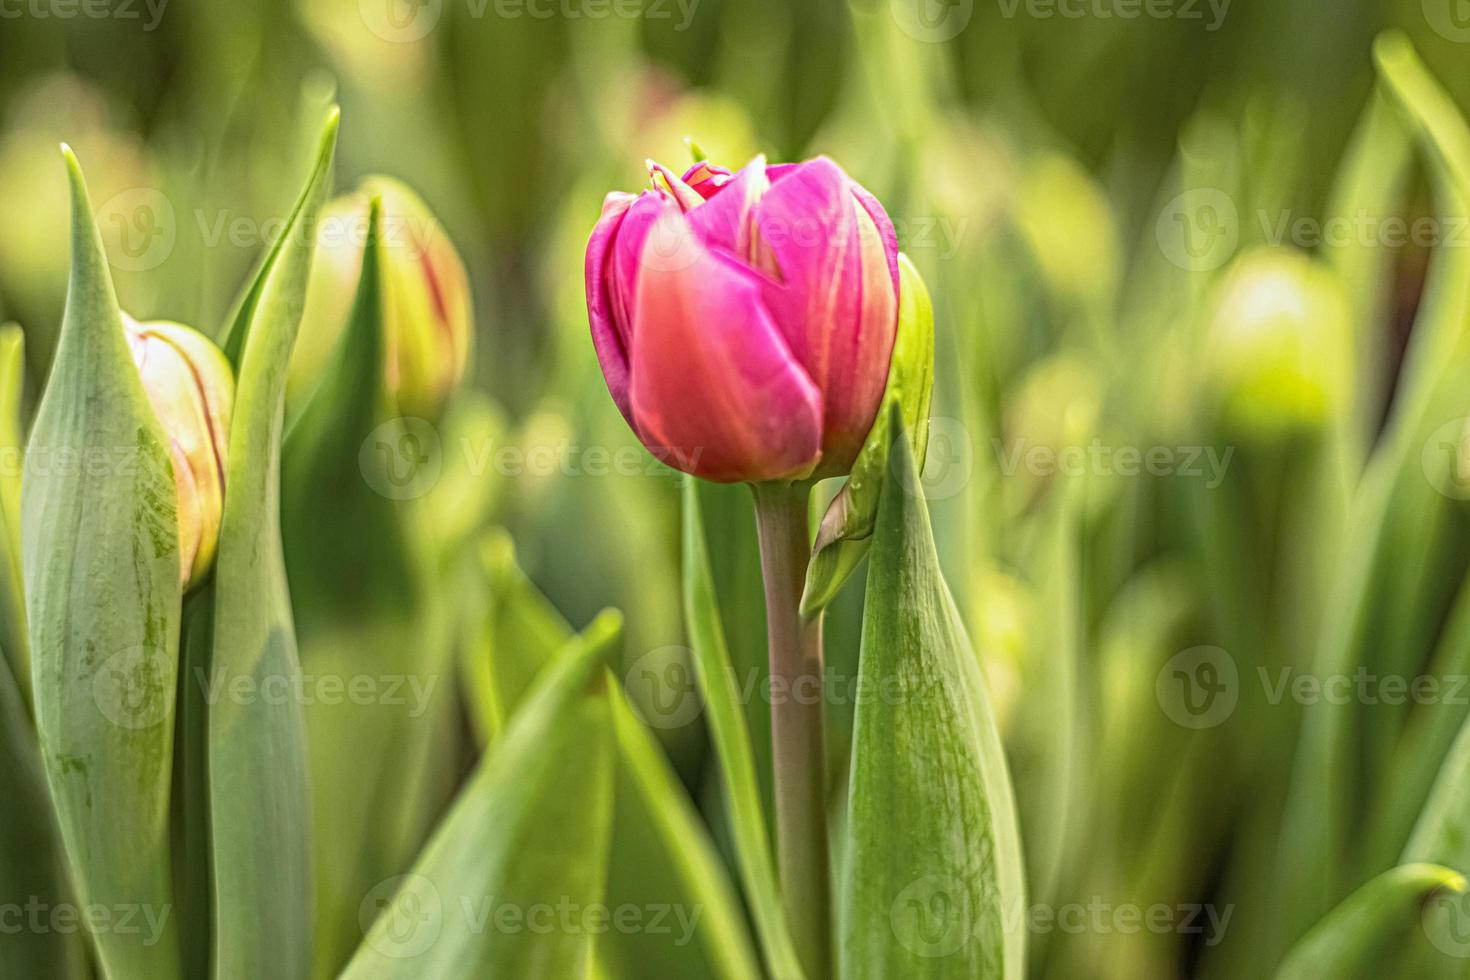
(1279, 344)
(192, 390)
(428, 320)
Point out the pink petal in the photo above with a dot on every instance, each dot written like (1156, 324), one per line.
(727, 219)
(665, 181)
(609, 336)
(836, 300)
(716, 391)
(706, 178)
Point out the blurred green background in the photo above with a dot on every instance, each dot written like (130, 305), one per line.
(1033, 156)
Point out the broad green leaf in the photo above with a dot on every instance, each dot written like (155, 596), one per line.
(1372, 180)
(933, 876)
(843, 537)
(103, 604)
(1357, 938)
(727, 724)
(32, 865)
(526, 839)
(661, 857)
(12, 454)
(260, 808)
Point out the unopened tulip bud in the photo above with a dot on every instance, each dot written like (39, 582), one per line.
(745, 322)
(427, 316)
(1279, 344)
(192, 390)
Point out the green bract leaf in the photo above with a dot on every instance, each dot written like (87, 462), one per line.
(526, 840)
(933, 862)
(12, 595)
(260, 812)
(32, 866)
(1357, 937)
(103, 599)
(727, 724)
(842, 538)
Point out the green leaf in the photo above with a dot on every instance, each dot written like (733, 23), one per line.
(259, 792)
(933, 864)
(662, 857)
(843, 537)
(527, 836)
(717, 684)
(103, 603)
(12, 442)
(32, 866)
(1373, 179)
(1357, 938)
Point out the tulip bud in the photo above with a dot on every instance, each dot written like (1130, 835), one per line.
(191, 390)
(745, 322)
(427, 318)
(1279, 344)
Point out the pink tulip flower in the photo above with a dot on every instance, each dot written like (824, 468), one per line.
(744, 322)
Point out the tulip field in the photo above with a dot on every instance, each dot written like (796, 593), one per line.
(840, 490)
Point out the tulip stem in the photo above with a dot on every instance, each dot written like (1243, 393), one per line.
(797, 743)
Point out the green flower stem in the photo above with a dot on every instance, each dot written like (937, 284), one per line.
(795, 648)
